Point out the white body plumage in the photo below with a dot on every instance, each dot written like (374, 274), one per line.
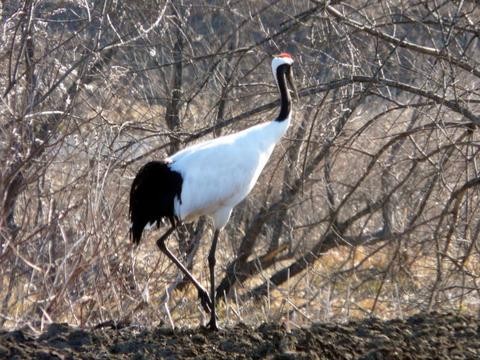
(220, 173)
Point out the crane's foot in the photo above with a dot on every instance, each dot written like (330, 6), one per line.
(205, 300)
(212, 325)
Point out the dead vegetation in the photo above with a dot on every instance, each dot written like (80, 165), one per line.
(370, 205)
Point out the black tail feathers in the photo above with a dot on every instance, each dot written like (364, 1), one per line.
(152, 196)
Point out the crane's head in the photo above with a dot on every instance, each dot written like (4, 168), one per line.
(280, 59)
(282, 64)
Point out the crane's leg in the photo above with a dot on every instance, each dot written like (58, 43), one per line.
(212, 325)
(202, 293)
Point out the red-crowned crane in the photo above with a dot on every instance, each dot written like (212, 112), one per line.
(209, 178)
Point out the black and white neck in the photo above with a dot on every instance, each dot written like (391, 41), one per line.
(281, 68)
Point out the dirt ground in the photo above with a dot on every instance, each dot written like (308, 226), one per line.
(424, 336)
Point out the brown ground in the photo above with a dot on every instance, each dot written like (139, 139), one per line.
(424, 336)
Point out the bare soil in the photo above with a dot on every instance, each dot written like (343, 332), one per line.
(424, 336)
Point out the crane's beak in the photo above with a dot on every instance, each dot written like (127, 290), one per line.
(290, 81)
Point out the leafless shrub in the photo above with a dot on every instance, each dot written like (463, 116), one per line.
(369, 206)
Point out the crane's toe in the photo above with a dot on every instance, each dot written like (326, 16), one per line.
(212, 325)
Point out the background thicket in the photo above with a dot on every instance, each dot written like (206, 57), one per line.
(370, 204)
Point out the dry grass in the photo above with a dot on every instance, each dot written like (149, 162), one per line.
(383, 174)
